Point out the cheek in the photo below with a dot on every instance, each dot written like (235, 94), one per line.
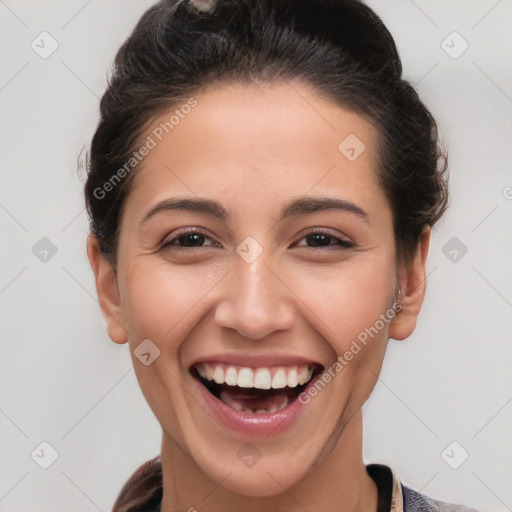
(159, 299)
(348, 302)
(161, 303)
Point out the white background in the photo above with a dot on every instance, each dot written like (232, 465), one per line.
(64, 382)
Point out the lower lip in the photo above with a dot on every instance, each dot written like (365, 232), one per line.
(262, 424)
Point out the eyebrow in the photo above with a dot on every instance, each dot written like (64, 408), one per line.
(293, 208)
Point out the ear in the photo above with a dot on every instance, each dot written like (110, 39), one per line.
(412, 281)
(107, 290)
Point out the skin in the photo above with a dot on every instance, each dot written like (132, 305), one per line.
(252, 148)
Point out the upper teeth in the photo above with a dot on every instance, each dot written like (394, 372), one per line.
(275, 377)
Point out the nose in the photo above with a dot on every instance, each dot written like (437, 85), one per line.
(256, 300)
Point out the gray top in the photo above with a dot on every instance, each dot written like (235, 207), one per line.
(416, 502)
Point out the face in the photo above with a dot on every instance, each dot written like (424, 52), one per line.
(255, 294)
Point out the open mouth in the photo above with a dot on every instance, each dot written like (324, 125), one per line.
(255, 390)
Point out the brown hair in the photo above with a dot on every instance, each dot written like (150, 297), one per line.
(142, 492)
(339, 47)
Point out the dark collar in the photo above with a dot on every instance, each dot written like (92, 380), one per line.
(383, 478)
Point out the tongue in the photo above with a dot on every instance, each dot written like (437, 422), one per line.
(251, 400)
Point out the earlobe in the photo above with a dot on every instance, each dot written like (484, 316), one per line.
(107, 291)
(412, 283)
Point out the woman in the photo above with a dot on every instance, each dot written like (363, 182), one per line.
(261, 189)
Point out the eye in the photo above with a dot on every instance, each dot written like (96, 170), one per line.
(324, 239)
(194, 238)
(188, 240)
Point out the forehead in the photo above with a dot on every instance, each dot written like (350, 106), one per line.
(262, 141)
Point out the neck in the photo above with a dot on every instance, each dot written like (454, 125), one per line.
(338, 482)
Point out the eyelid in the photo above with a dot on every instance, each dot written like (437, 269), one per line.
(327, 231)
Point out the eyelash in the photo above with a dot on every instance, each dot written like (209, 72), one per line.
(341, 242)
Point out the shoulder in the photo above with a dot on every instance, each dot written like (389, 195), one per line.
(417, 502)
(394, 496)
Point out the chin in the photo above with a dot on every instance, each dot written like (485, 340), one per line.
(259, 483)
(269, 476)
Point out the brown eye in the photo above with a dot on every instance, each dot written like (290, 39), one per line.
(189, 240)
(320, 239)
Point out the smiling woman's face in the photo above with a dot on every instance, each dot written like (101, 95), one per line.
(273, 284)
